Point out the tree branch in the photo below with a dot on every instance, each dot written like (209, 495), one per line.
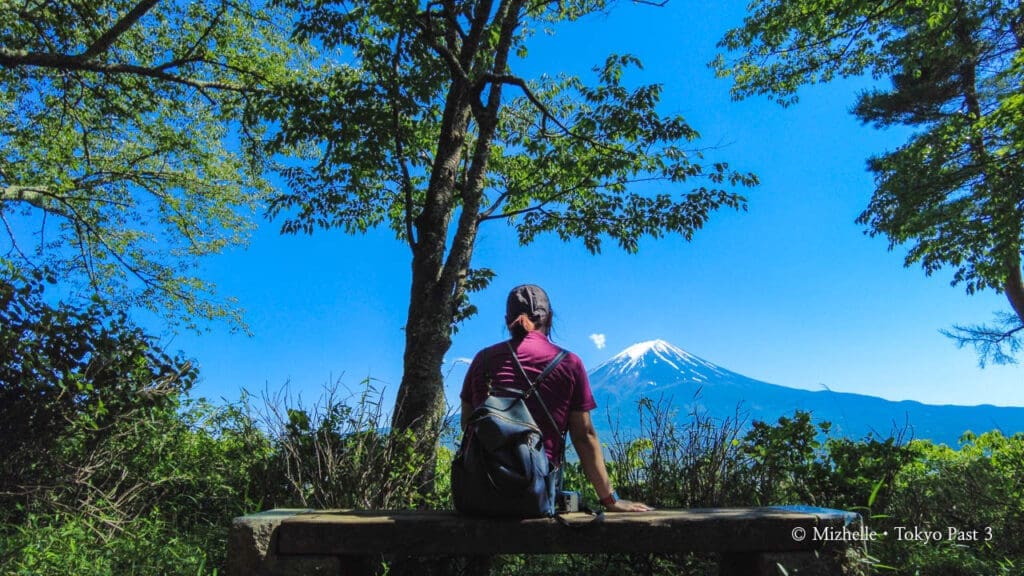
(430, 35)
(87, 235)
(456, 266)
(14, 58)
(14, 240)
(209, 30)
(478, 25)
(37, 197)
(539, 207)
(403, 162)
(1014, 285)
(999, 343)
(103, 43)
(491, 78)
(546, 113)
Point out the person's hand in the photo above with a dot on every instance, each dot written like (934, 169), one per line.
(628, 506)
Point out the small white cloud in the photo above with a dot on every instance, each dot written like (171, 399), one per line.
(598, 340)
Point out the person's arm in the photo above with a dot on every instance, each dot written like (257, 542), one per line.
(588, 447)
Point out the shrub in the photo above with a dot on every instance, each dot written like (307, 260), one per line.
(339, 454)
(672, 465)
(58, 545)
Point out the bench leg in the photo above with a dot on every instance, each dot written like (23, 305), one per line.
(745, 564)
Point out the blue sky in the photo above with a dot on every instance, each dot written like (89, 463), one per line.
(791, 292)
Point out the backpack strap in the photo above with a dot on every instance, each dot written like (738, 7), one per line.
(597, 517)
(534, 383)
(540, 399)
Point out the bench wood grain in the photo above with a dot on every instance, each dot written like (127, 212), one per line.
(344, 540)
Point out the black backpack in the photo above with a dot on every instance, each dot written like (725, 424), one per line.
(501, 468)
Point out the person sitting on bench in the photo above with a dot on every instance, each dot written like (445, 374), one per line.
(566, 390)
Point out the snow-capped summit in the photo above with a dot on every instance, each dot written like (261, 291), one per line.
(637, 351)
(643, 354)
(655, 363)
(659, 371)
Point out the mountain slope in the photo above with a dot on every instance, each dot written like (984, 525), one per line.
(658, 370)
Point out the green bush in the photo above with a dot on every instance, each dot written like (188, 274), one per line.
(71, 379)
(108, 466)
(339, 454)
(59, 545)
(687, 464)
(978, 489)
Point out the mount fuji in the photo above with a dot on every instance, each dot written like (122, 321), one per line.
(659, 371)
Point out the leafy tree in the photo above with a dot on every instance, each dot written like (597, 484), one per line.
(860, 472)
(69, 377)
(976, 489)
(955, 190)
(121, 161)
(108, 467)
(785, 458)
(415, 119)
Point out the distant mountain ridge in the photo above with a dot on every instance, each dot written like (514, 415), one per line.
(658, 370)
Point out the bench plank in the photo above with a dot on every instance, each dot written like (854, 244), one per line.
(439, 533)
(748, 541)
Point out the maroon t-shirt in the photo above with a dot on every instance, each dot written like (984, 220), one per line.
(566, 389)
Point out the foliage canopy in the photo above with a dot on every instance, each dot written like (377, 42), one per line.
(954, 192)
(122, 155)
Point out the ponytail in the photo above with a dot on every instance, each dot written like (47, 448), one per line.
(521, 326)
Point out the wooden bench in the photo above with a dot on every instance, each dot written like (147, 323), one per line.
(748, 541)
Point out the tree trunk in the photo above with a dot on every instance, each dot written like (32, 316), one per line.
(1015, 287)
(439, 274)
(1014, 281)
(437, 287)
(420, 405)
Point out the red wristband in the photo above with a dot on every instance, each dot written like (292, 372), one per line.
(610, 499)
